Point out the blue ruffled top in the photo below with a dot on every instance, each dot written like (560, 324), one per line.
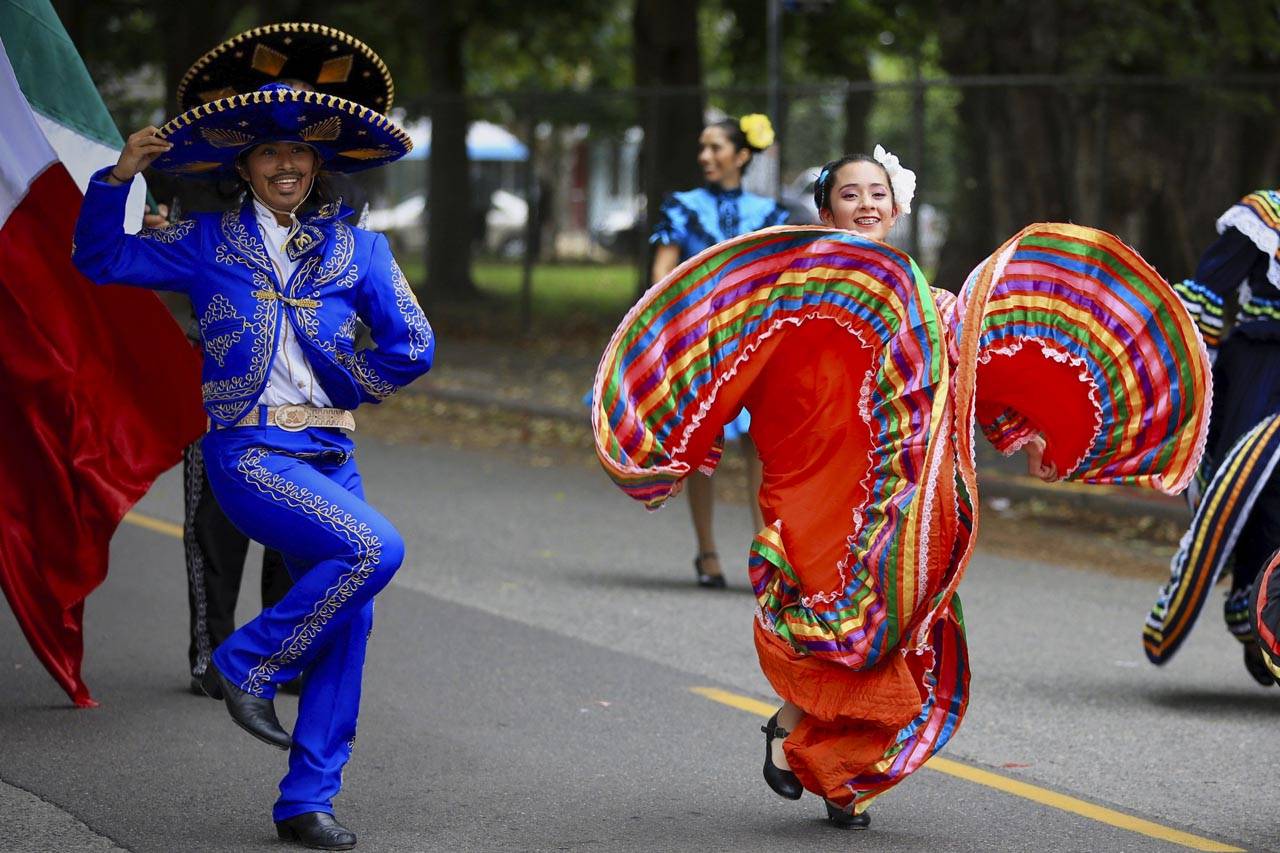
(699, 218)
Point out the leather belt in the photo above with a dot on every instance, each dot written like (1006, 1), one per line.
(297, 417)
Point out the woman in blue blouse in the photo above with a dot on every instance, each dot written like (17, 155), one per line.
(689, 222)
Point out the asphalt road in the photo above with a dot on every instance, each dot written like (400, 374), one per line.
(531, 687)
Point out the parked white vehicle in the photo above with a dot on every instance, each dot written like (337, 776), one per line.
(405, 221)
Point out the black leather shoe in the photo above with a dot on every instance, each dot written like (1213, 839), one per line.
(1256, 665)
(842, 819)
(255, 715)
(317, 830)
(293, 687)
(783, 782)
(705, 580)
(197, 689)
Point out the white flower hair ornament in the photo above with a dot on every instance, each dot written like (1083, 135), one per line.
(902, 179)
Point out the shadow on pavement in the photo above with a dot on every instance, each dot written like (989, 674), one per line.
(1205, 701)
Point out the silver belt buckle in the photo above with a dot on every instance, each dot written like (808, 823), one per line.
(292, 418)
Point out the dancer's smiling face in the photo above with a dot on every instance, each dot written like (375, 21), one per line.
(722, 162)
(861, 200)
(281, 173)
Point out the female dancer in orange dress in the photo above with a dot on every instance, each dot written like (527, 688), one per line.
(867, 385)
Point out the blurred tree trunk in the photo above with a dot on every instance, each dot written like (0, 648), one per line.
(665, 53)
(857, 107)
(1013, 164)
(449, 228)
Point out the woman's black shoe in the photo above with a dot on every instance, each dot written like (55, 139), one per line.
(317, 830)
(846, 819)
(705, 580)
(783, 782)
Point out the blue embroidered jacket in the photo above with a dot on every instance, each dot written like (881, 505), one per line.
(221, 263)
(699, 218)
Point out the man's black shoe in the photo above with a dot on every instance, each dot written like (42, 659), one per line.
(255, 715)
(317, 830)
(198, 689)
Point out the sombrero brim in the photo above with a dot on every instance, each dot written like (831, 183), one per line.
(329, 60)
(348, 136)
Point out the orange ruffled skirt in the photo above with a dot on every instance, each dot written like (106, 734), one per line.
(865, 386)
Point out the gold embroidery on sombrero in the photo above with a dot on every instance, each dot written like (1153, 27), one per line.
(336, 70)
(268, 60)
(169, 235)
(218, 342)
(259, 97)
(197, 166)
(215, 94)
(326, 130)
(231, 44)
(366, 153)
(357, 532)
(224, 137)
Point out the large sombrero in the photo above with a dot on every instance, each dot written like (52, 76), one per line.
(349, 137)
(329, 60)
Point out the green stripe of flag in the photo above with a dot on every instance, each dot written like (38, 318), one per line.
(50, 71)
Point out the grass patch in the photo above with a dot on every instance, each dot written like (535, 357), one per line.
(567, 298)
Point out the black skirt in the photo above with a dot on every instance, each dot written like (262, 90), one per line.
(1246, 386)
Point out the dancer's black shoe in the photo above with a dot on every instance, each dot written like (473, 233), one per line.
(316, 830)
(783, 782)
(255, 715)
(846, 819)
(197, 689)
(705, 580)
(1257, 667)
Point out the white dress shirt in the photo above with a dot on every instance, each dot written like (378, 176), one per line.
(291, 379)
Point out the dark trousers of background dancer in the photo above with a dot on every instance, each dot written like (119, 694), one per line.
(215, 553)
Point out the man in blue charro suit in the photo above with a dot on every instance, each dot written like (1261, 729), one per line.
(277, 296)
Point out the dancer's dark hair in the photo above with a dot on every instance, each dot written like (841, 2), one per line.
(827, 177)
(732, 128)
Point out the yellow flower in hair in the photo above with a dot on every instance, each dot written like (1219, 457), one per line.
(758, 131)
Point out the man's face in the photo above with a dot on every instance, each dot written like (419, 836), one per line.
(280, 173)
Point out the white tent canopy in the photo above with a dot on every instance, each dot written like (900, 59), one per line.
(485, 141)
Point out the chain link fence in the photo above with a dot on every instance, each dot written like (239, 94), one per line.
(559, 179)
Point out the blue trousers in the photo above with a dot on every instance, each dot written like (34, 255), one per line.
(301, 494)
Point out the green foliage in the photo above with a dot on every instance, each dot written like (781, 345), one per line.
(586, 297)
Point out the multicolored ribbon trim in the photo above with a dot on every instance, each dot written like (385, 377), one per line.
(1220, 516)
(1264, 614)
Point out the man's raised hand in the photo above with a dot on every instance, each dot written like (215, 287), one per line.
(140, 150)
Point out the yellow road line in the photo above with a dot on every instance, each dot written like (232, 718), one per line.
(1016, 788)
(158, 525)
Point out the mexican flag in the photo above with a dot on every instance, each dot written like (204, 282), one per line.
(99, 388)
